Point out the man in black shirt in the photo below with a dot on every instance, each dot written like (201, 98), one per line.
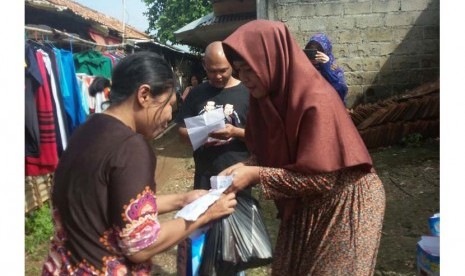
(221, 91)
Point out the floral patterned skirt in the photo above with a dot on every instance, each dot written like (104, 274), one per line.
(336, 234)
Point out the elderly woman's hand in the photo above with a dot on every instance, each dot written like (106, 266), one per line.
(243, 177)
(229, 170)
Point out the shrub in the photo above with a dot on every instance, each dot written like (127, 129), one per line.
(38, 227)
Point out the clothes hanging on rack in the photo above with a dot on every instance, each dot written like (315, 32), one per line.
(112, 58)
(33, 80)
(115, 55)
(32, 83)
(57, 98)
(61, 132)
(84, 82)
(53, 105)
(47, 160)
(70, 89)
(93, 63)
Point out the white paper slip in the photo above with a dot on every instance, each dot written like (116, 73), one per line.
(198, 127)
(193, 210)
(221, 182)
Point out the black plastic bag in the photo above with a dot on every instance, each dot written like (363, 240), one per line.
(237, 242)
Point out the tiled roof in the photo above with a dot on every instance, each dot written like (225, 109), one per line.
(387, 121)
(90, 14)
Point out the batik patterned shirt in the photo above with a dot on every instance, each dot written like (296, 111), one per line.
(104, 203)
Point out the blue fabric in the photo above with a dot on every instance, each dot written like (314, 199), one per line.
(83, 90)
(330, 71)
(70, 89)
(197, 250)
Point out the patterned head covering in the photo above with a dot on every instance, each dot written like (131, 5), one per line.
(325, 43)
(327, 46)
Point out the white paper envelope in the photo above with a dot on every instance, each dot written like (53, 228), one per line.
(198, 127)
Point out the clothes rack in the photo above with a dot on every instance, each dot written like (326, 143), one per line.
(73, 38)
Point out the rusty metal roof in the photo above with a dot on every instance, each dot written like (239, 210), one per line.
(90, 14)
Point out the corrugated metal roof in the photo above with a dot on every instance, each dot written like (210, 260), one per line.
(151, 41)
(230, 18)
(194, 24)
(90, 14)
(210, 28)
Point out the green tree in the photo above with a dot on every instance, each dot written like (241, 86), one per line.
(167, 16)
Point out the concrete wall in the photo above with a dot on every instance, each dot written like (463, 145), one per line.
(384, 47)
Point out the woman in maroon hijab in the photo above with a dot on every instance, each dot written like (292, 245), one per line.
(307, 156)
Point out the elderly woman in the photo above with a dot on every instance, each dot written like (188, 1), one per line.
(307, 156)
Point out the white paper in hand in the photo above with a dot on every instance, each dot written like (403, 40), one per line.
(220, 182)
(193, 210)
(200, 126)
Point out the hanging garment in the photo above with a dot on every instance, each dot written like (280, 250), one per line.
(61, 109)
(47, 161)
(84, 91)
(99, 100)
(70, 89)
(118, 55)
(84, 82)
(95, 102)
(53, 86)
(93, 63)
(33, 80)
(111, 57)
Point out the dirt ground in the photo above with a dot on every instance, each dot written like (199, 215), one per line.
(411, 180)
(410, 176)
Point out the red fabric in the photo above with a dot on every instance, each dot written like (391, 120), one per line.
(302, 125)
(101, 39)
(48, 158)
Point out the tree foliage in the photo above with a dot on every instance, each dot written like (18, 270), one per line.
(167, 16)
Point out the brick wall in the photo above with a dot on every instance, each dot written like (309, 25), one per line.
(385, 47)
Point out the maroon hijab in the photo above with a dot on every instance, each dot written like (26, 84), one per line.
(302, 125)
